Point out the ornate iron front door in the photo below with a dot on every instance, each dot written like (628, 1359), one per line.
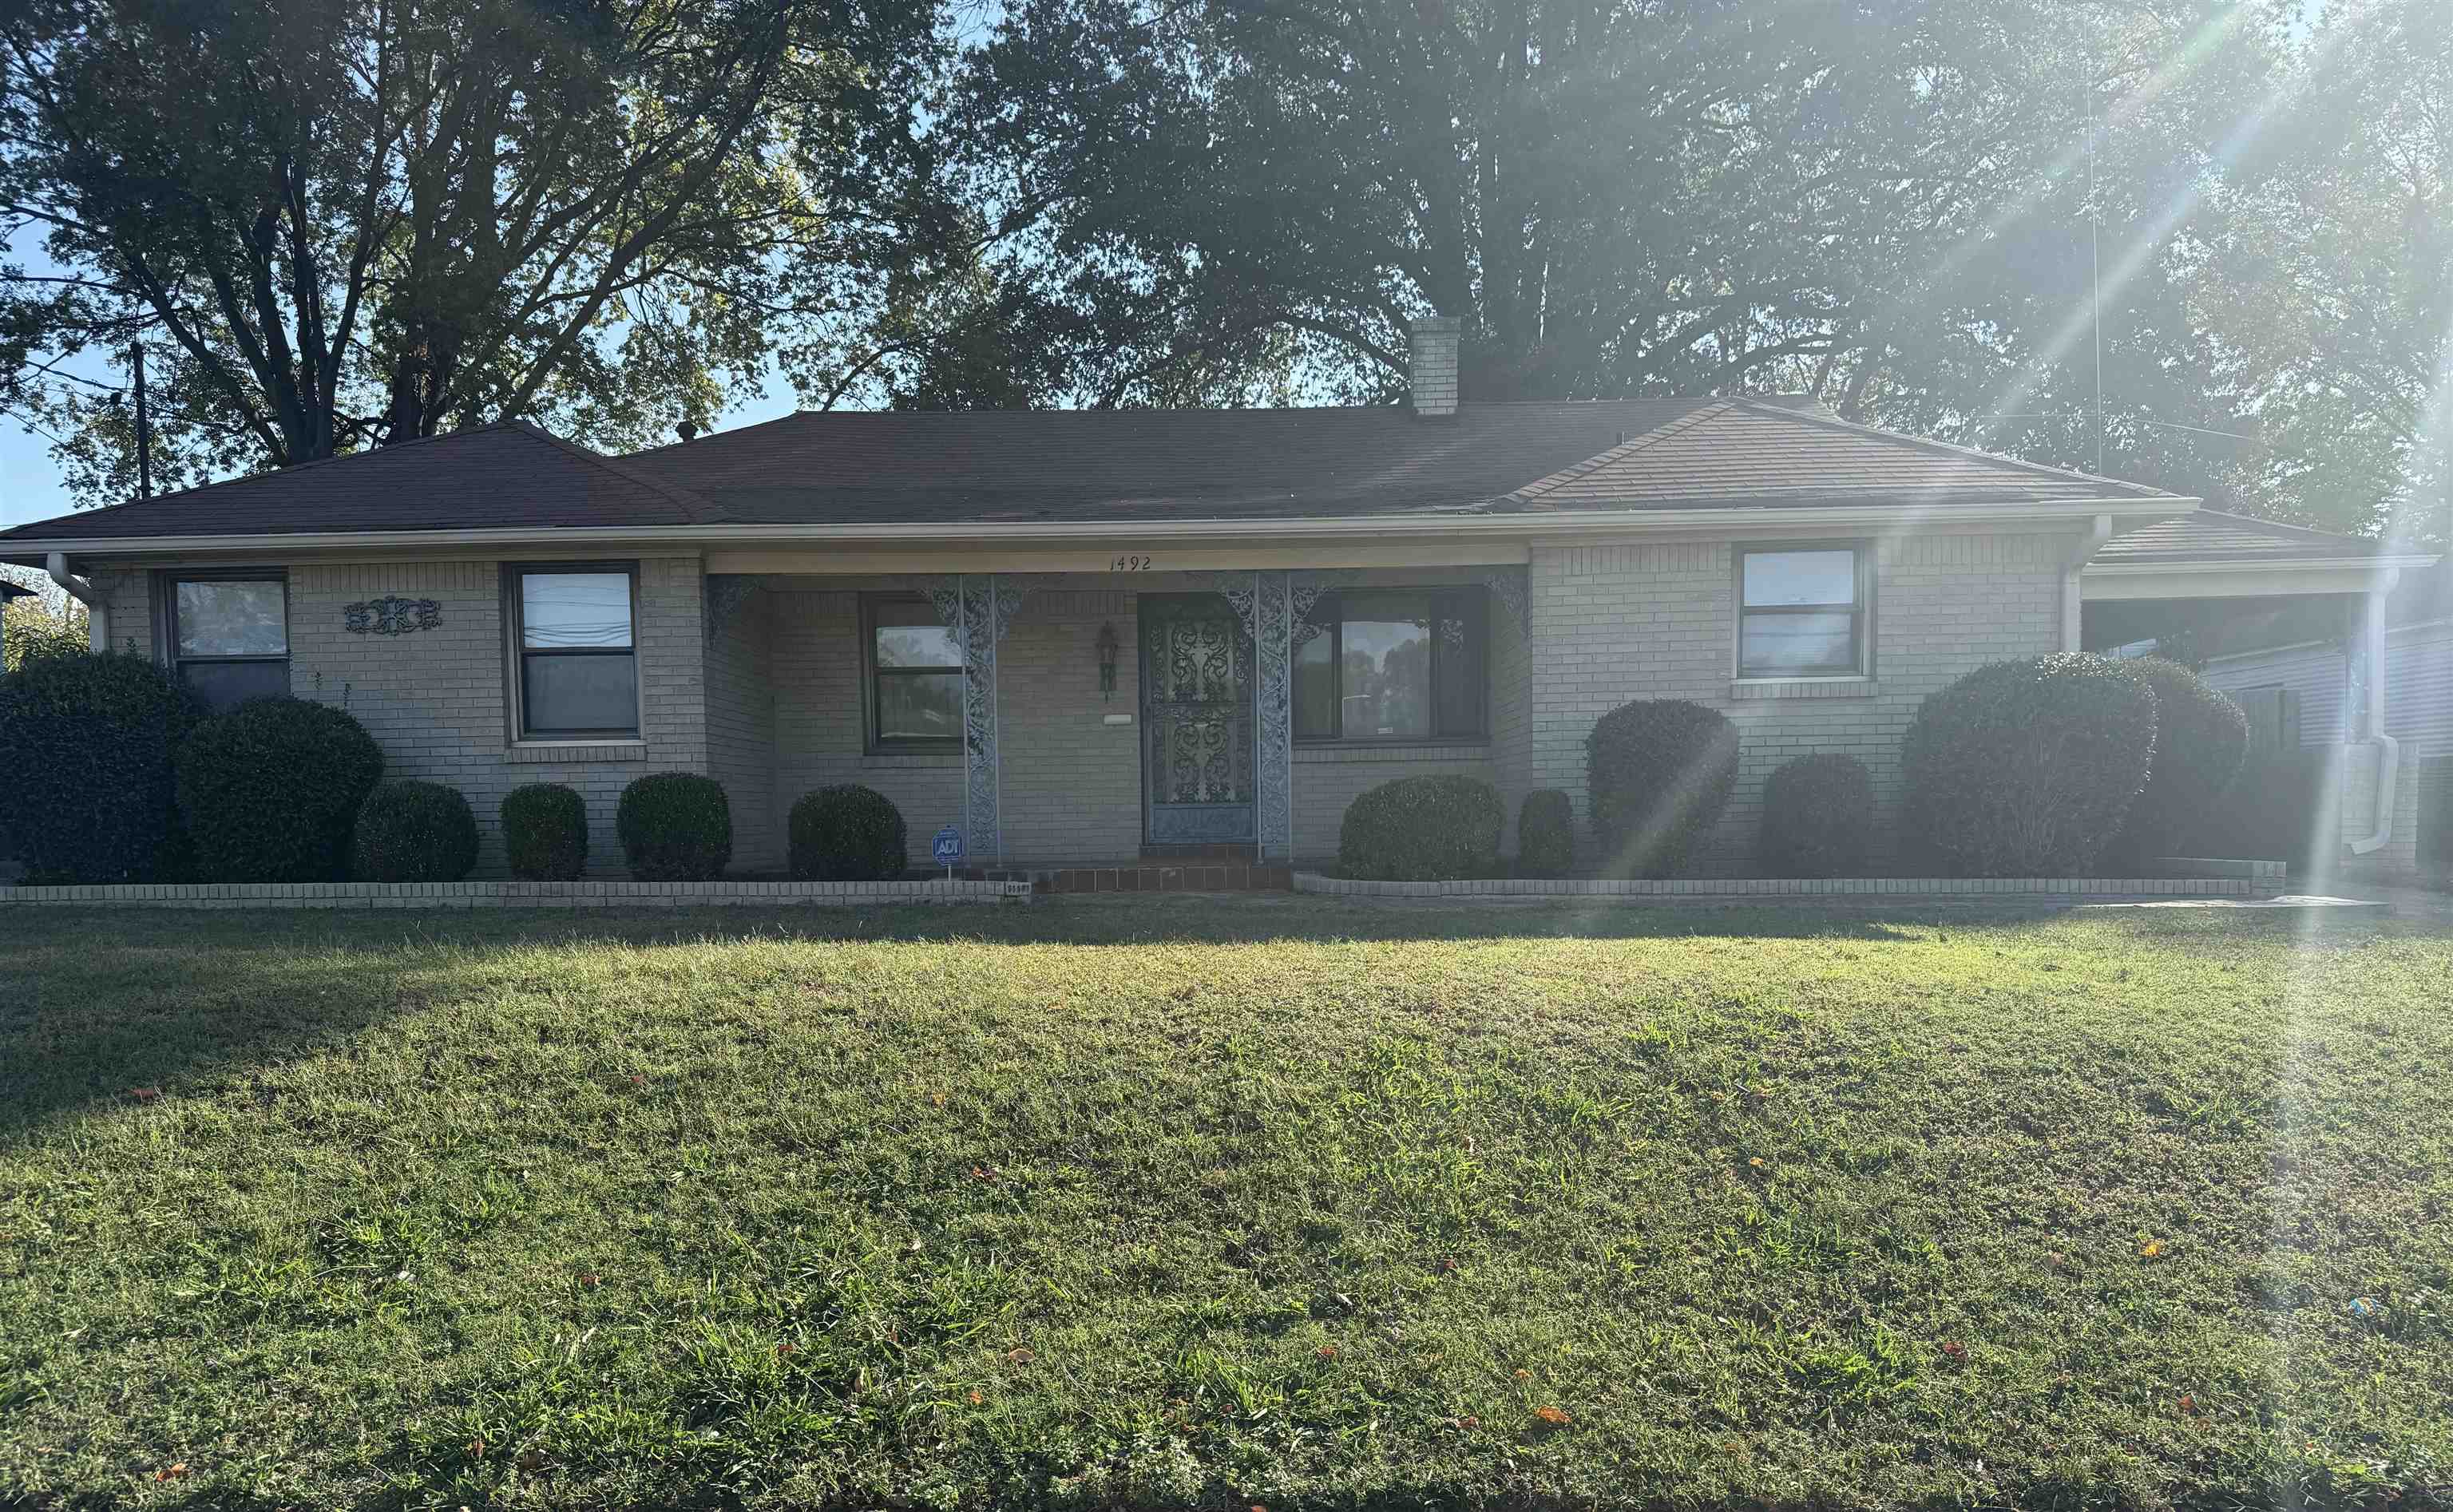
(1196, 721)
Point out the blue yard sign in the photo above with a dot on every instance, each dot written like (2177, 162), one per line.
(949, 846)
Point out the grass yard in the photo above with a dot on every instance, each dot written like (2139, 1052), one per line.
(1240, 1204)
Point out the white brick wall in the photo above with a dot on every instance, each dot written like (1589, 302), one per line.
(436, 700)
(773, 707)
(1658, 621)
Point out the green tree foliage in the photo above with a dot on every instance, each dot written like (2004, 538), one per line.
(342, 222)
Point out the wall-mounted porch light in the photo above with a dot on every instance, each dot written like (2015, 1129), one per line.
(1107, 662)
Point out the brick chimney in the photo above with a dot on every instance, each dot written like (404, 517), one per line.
(1431, 364)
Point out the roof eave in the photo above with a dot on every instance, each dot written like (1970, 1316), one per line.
(1822, 519)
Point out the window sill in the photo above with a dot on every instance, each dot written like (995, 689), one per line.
(557, 753)
(1746, 688)
(1474, 749)
(877, 759)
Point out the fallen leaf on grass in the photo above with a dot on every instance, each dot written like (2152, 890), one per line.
(1326, 1351)
(1954, 1349)
(144, 1094)
(171, 1472)
(1552, 1416)
(2150, 1249)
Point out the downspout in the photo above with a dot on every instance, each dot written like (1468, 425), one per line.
(97, 618)
(2073, 598)
(2372, 717)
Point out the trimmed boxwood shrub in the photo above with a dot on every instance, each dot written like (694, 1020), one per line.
(268, 791)
(412, 831)
(2028, 768)
(545, 832)
(1817, 818)
(675, 826)
(2201, 738)
(1659, 772)
(847, 833)
(2282, 805)
(87, 786)
(1422, 830)
(1545, 834)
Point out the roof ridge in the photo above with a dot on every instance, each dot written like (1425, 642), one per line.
(1705, 409)
(1999, 459)
(700, 509)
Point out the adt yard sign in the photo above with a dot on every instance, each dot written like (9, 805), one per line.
(949, 846)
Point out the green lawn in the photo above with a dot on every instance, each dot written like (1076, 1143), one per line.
(1240, 1204)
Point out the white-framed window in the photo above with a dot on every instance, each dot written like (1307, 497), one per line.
(1803, 612)
(226, 635)
(574, 650)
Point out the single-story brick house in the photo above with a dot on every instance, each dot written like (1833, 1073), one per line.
(1084, 638)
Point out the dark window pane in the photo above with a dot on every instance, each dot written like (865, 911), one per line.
(1316, 686)
(1458, 699)
(1387, 666)
(597, 695)
(911, 645)
(920, 706)
(1788, 644)
(560, 610)
(232, 619)
(224, 684)
(1774, 578)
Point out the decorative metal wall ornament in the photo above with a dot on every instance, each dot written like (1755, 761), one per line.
(392, 615)
(978, 617)
(1304, 592)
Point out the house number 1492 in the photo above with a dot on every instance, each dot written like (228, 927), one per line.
(1129, 564)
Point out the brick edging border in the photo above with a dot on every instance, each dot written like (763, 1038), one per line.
(511, 894)
(2243, 878)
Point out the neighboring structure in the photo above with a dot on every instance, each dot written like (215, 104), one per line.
(8, 590)
(1085, 637)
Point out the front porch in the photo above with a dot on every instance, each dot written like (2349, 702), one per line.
(1118, 730)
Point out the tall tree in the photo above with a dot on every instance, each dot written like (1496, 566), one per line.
(341, 223)
(1239, 198)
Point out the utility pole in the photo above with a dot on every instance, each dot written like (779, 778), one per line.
(144, 429)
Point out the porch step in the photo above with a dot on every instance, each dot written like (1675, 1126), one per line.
(1196, 876)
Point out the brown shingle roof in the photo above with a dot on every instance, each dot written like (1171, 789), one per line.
(1121, 465)
(508, 474)
(2210, 535)
(1200, 464)
(1745, 453)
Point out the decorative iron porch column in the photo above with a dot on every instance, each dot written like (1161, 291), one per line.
(979, 608)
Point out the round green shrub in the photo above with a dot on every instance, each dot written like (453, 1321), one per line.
(545, 832)
(412, 831)
(675, 826)
(268, 791)
(1659, 772)
(2201, 738)
(1422, 830)
(1545, 834)
(87, 744)
(1817, 818)
(847, 833)
(2028, 768)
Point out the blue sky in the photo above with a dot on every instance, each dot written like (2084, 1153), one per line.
(29, 480)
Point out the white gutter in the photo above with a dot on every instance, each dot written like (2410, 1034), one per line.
(2388, 750)
(2073, 594)
(1519, 523)
(97, 617)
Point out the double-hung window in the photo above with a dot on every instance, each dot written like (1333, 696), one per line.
(915, 676)
(576, 653)
(1801, 612)
(1392, 665)
(229, 635)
